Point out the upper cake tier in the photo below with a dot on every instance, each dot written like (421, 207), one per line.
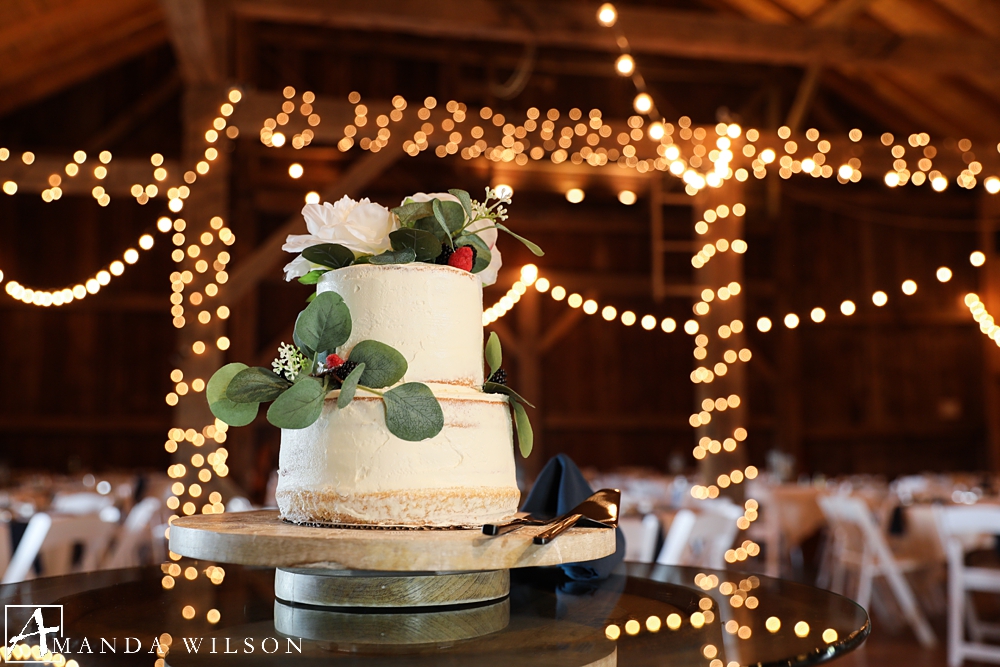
(432, 314)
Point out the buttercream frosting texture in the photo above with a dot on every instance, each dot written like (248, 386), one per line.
(348, 468)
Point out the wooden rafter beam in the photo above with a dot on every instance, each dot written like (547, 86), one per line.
(191, 36)
(650, 30)
(130, 117)
(57, 49)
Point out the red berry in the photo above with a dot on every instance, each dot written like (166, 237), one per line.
(461, 258)
(332, 361)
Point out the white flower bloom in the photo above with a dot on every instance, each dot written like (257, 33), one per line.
(422, 197)
(488, 276)
(361, 226)
(299, 267)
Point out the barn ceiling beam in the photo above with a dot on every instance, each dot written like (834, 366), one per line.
(191, 36)
(56, 49)
(650, 30)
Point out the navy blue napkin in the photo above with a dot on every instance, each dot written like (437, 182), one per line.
(559, 488)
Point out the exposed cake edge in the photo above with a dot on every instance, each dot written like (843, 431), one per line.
(455, 506)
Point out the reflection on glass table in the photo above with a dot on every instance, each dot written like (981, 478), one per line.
(195, 613)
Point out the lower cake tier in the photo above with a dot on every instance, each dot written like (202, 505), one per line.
(348, 468)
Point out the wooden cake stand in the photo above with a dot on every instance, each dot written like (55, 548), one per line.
(345, 569)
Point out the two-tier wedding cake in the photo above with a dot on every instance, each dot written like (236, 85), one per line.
(348, 468)
(388, 415)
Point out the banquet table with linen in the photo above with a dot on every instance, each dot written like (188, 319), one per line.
(625, 619)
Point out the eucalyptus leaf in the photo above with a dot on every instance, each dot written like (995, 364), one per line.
(424, 245)
(298, 407)
(332, 255)
(324, 325)
(349, 387)
(497, 388)
(384, 365)
(483, 254)
(404, 256)
(465, 199)
(442, 221)
(531, 246)
(256, 385)
(363, 259)
(312, 277)
(494, 354)
(525, 436)
(413, 211)
(234, 414)
(412, 413)
(452, 213)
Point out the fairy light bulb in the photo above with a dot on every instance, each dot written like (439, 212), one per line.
(625, 65)
(607, 15)
(642, 103)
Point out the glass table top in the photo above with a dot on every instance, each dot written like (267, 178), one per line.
(198, 613)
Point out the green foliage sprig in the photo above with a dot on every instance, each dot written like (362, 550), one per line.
(426, 228)
(299, 381)
(494, 359)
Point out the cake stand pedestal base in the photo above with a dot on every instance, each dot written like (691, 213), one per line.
(348, 589)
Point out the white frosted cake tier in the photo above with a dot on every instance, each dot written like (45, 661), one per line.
(431, 314)
(348, 468)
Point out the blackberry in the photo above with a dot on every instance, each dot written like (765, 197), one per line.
(500, 377)
(345, 369)
(445, 255)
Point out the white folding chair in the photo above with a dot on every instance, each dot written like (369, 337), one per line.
(956, 525)
(83, 502)
(239, 504)
(641, 536)
(859, 543)
(52, 538)
(701, 538)
(135, 534)
(5, 545)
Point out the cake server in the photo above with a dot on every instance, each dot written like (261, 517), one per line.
(600, 510)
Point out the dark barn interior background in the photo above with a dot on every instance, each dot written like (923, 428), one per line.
(901, 389)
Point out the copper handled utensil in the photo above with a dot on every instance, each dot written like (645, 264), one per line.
(600, 510)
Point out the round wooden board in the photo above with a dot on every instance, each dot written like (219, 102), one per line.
(261, 538)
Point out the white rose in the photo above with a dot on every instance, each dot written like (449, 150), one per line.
(361, 226)
(299, 267)
(488, 276)
(420, 197)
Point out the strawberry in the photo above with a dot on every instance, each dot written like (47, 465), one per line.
(462, 258)
(332, 361)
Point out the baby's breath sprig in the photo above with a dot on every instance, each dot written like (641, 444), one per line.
(290, 362)
(496, 211)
